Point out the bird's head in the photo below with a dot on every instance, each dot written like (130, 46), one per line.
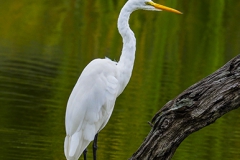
(150, 5)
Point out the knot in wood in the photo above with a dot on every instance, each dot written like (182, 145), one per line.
(165, 123)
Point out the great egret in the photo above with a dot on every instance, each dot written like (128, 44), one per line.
(92, 100)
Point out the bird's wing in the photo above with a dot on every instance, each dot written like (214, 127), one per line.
(90, 104)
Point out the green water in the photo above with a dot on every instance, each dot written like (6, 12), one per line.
(44, 46)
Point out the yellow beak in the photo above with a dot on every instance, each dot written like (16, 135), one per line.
(159, 6)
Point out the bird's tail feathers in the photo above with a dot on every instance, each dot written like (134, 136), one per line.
(74, 146)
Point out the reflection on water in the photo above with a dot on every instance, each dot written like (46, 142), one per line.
(44, 47)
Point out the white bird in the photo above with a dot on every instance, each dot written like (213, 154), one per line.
(92, 100)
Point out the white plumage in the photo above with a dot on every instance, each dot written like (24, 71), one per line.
(90, 105)
(92, 100)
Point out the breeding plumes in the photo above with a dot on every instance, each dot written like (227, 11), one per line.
(92, 100)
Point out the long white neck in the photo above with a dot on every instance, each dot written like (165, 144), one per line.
(125, 64)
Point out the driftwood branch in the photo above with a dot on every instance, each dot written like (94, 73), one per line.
(198, 106)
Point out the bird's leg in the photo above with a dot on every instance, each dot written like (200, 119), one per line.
(95, 147)
(85, 154)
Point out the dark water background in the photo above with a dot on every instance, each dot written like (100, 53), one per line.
(44, 46)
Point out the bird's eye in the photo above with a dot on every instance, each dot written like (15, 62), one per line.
(147, 3)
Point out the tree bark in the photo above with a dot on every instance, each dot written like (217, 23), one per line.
(198, 106)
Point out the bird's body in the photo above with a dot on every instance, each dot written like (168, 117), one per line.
(92, 100)
(90, 106)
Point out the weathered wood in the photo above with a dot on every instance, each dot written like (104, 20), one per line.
(198, 106)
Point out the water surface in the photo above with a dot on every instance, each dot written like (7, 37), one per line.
(45, 45)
